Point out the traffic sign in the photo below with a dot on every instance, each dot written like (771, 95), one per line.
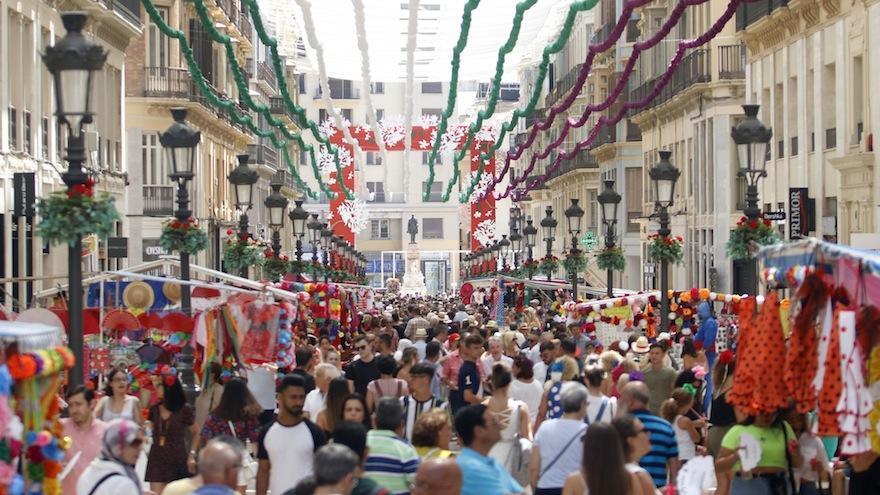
(775, 215)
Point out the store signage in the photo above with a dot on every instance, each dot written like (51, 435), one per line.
(798, 223)
(24, 185)
(152, 250)
(775, 215)
(117, 247)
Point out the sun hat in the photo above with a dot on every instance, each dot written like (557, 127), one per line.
(171, 291)
(641, 345)
(492, 324)
(138, 295)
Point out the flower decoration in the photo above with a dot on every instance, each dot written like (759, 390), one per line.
(575, 262)
(183, 236)
(549, 264)
(665, 248)
(68, 216)
(748, 237)
(241, 253)
(611, 259)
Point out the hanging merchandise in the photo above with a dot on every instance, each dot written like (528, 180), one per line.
(258, 345)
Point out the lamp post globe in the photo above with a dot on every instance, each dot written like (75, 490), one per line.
(548, 225)
(243, 179)
(276, 203)
(574, 213)
(180, 141)
(504, 250)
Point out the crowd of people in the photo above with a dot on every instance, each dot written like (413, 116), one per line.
(431, 396)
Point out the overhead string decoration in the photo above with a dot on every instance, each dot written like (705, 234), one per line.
(309, 23)
(487, 112)
(543, 68)
(573, 93)
(629, 105)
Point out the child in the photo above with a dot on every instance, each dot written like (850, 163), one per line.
(815, 466)
(687, 433)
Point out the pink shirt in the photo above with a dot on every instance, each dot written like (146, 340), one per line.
(88, 442)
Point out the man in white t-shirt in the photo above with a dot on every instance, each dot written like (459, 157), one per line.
(494, 356)
(316, 399)
(287, 445)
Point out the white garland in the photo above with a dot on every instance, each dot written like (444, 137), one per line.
(485, 233)
(361, 27)
(411, 34)
(309, 23)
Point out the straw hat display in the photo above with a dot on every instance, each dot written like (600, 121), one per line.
(138, 295)
(171, 291)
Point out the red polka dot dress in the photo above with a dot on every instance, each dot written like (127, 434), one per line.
(831, 383)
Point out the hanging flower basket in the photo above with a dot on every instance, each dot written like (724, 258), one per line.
(299, 266)
(530, 268)
(575, 263)
(317, 269)
(68, 216)
(749, 236)
(276, 267)
(665, 248)
(242, 253)
(611, 259)
(549, 264)
(186, 236)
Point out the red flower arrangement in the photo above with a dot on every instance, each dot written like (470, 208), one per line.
(665, 248)
(749, 235)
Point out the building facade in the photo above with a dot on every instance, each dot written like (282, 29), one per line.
(32, 143)
(809, 70)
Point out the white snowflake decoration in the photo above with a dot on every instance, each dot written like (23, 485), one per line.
(354, 214)
(485, 233)
(428, 120)
(424, 144)
(361, 129)
(485, 135)
(392, 130)
(481, 187)
(326, 164)
(451, 138)
(327, 128)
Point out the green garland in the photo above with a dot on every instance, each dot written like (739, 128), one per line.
(548, 264)
(240, 254)
(748, 236)
(184, 237)
(665, 248)
(68, 216)
(575, 263)
(611, 259)
(276, 267)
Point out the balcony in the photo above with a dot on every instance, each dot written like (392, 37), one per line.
(750, 13)
(537, 114)
(562, 86)
(583, 160)
(158, 201)
(285, 178)
(262, 154)
(265, 73)
(694, 68)
(277, 107)
(602, 34)
(632, 30)
(245, 26)
(520, 139)
(633, 131)
(732, 61)
(607, 135)
(130, 10)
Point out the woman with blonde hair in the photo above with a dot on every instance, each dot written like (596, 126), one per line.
(431, 435)
(509, 345)
(562, 370)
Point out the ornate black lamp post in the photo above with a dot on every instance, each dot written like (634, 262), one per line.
(180, 142)
(548, 225)
(504, 250)
(243, 179)
(663, 178)
(530, 232)
(574, 213)
(299, 217)
(751, 138)
(326, 233)
(609, 199)
(72, 62)
(516, 245)
(276, 204)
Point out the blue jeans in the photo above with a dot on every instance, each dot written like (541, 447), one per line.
(756, 486)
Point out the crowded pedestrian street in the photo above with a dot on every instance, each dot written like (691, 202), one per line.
(439, 247)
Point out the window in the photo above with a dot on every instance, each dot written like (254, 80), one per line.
(44, 137)
(436, 193)
(303, 157)
(633, 197)
(152, 160)
(594, 209)
(117, 157)
(426, 158)
(380, 115)
(431, 112)
(322, 116)
(158, 48)
(26, 132)
(377, 192)
(432, 228)
(301, 82)
(379, 229)
(60, 137)
(432, 87)
(377, 88)
(13, 128)
(374, 158)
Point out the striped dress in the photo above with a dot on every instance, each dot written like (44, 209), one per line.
(392, 462)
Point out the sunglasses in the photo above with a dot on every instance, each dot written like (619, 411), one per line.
(360, 348)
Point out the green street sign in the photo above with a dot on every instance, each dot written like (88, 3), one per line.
(589, 241)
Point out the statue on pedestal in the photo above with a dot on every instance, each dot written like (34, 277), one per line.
(412, 228)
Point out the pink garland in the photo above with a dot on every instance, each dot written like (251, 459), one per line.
(638, 48)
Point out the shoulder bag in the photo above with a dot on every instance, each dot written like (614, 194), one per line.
(249, 466)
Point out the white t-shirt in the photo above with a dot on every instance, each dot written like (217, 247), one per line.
(487, 362)
(315, 403)
(594, 403)
(261, 383)
(291, 451)
(529, 393)
(552, 437)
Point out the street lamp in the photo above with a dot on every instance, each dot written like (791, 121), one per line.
(299, 218)
(609, 199)
(663, 177)
(326, 233)
(548, 225)
(751, 138)
(504, 249)
(574, 213)
(530, 232)
(276, 204)
(73, 61)
(243, 179)
(180, 142)
(493, 255)
(314, 227)
(516, 245)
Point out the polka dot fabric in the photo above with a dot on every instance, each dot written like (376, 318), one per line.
(832, 384)
(801, 363)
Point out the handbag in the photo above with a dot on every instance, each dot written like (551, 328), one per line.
(249, 466)
(519, 455)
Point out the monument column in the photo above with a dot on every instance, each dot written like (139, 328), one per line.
(413, 280)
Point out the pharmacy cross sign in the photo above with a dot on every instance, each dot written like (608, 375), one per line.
(589, 241)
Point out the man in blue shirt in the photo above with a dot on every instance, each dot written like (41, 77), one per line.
(468, 375)
(662, 460)
(479, 430)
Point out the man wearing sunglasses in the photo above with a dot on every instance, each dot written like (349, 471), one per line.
(362, 371)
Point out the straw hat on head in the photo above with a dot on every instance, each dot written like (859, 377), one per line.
(421, 333)
(492, 324)
(641, 345)
(171, 291)
(138, 295)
